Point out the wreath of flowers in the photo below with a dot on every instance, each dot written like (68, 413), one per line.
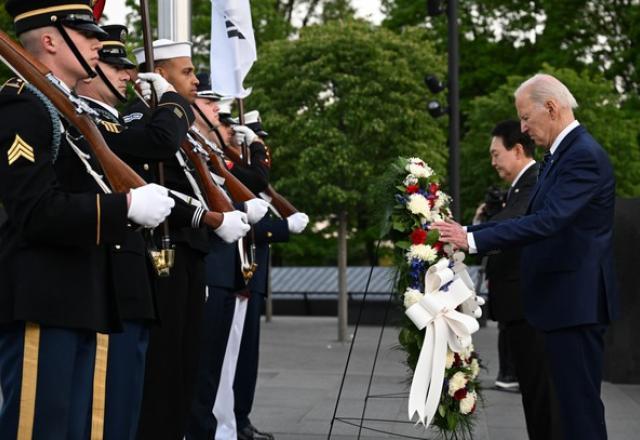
(418, 201)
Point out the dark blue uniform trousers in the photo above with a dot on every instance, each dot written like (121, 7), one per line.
(64, 382)
(244, 386)
(125, 381)
(218, 317)
(575, 361)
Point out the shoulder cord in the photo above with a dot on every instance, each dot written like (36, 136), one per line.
(56, 123)
(191, 179)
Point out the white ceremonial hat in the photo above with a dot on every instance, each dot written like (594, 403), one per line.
(224, 105)
(164, 49)
(252, 117)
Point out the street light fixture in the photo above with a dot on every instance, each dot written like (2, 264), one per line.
(434, 8)
(436, 110)
(434, 84)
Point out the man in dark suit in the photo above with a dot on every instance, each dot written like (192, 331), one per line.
(568, 279)
(512, 156)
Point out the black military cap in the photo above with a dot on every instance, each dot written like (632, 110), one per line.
(33, 14)
(204, 87)
(113, 49)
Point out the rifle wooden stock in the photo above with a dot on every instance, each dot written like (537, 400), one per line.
(237, 190)
(215, 198)
(284, 207)
(120, 176)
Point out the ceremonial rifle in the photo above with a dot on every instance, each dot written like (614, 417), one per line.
(166, 251)
(216, 200)
(282, 205)
(239, 193)
(279, 202)
(119, 175)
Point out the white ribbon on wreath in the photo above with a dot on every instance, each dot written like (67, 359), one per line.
(447, 286)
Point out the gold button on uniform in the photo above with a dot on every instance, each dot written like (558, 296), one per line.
(117, 247)
(269, 234)
(146, 167)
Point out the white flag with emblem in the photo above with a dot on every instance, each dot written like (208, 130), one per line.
(233, 46)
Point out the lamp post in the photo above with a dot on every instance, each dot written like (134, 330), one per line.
(454, 107)
(434, 8)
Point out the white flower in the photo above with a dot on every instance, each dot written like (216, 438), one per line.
(422, 252)
(440, 201)
(457, 382)
(411, 297)
(410, 180)
(475, 368)
(467, 404)
(418, 168)
(418, 205)
(466, 352)
(436, 217)
(450, 359)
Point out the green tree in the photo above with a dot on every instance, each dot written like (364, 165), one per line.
(510, 37)
(599, 110)
(342, 102)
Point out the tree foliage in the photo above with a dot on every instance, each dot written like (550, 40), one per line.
(341, 102)
(595, 35)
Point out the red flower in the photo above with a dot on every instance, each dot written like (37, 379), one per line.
(457, 362)
(460, 394)
(418, 236)
(413, 189)
(438, 246)
(433, 188)
(432, 203)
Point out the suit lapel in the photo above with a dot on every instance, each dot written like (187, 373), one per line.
(527, 179)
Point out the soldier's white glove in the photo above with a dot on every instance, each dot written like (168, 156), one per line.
(159, 84)
(256, 209)
(234, 226)
(297, 222)
(150, 205)
(242, 133)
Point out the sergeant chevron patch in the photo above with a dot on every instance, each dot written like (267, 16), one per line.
(111, 127)
(19, 149)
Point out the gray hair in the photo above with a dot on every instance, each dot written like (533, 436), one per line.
(542, 87)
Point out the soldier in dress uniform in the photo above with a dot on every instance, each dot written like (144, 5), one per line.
(271, 229)
(212, 411)
(57, 290)
(172, 356)
(133, 275)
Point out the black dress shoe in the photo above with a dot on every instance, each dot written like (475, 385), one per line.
(250, 432)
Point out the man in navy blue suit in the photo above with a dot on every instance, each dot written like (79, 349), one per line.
(568, 280)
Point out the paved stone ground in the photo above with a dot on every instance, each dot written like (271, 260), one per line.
(301, 368)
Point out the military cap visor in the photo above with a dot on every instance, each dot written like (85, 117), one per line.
(113, 49)
(204, 87)
(28, 15)
(115, 56)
